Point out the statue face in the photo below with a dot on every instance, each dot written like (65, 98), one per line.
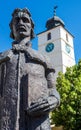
(21, 26)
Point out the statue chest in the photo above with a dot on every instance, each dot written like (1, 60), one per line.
(25, 65)
(30, 76)
(32, 80)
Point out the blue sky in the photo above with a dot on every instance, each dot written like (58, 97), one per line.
(68, 10)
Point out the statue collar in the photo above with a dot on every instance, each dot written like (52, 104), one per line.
(21, 46)
(29, 52)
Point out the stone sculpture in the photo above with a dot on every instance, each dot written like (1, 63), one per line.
(27, 91)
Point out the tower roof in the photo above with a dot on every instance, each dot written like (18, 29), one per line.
(54, 21)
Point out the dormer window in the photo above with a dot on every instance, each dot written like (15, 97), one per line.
(48, 36)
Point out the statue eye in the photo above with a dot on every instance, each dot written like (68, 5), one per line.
(16, 20)
(25, 20)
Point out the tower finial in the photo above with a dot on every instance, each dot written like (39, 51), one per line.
(55, 7)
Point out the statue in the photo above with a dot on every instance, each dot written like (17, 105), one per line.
(27, 91)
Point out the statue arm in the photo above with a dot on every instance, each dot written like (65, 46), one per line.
(54, 97)
(46, 104)
(4, 57)
(2, 78)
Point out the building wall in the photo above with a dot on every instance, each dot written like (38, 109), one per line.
(62, 55)
(55, 34)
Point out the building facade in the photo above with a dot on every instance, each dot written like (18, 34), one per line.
(56, 42)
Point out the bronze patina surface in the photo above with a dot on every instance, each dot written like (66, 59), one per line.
(27, 91)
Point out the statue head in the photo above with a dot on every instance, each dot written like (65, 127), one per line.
(21, 24)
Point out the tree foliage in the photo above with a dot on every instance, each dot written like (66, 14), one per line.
(69, 86)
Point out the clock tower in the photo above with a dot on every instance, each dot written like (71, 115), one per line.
(56, 42)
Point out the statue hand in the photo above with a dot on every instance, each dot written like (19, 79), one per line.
(38, 108)
(53, 102)
(42, 107)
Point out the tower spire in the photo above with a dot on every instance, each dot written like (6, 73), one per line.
(54, 21)
(55, 7)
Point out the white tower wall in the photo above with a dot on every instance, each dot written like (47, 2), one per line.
(62, 55)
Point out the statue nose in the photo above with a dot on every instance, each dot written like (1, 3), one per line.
(20, 21)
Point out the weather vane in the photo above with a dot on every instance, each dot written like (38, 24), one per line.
(55, 7)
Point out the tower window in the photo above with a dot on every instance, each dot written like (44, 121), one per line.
(48, 36)
(66, 37)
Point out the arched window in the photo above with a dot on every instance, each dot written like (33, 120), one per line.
(49, 36)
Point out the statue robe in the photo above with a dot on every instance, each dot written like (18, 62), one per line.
(22, 82)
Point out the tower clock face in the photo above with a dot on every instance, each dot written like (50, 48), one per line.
(49, 47)
(67, 48)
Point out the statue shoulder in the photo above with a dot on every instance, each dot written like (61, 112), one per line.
(36, 55)
(5, 56)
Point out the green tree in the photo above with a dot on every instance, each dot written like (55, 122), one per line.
(68, 113)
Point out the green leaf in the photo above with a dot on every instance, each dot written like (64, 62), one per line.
(68, 85)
